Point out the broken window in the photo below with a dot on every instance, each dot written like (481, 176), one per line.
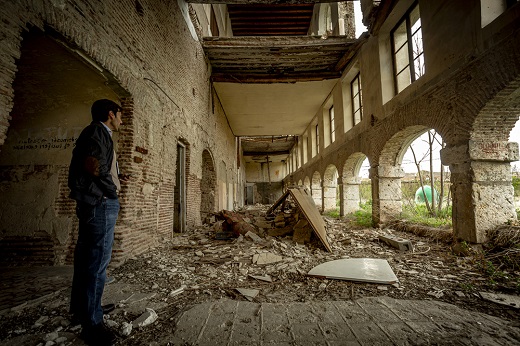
(407, 49)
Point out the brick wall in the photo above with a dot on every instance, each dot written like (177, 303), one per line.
(159, 72)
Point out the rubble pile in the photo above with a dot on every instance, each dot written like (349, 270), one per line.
(266, 259)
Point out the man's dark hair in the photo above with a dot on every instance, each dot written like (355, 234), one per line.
(101, 108)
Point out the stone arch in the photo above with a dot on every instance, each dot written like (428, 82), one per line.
(316, 191)
(208, 185)
(351, 183)
(386, 177)
(330, 184)
(300, 182)
(483, 196)
(49, 77)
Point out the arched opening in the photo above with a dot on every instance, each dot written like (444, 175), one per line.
(53, 92)
(425, 186)
(357, 190)
(208, 185)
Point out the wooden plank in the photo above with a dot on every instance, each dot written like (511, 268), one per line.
(276, 41)
(272, 78)
(278, 202)
(311, 213)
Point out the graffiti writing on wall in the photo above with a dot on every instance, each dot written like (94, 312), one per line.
(51, 138)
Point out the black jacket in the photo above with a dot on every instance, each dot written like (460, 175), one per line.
(89, 171)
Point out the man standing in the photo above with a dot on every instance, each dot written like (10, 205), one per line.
(94, 184)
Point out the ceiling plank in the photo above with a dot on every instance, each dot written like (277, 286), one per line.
(261, 78)
(275, 41)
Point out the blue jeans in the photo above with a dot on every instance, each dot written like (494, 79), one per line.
(91, 257)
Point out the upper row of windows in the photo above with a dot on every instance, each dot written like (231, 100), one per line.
(408, 66)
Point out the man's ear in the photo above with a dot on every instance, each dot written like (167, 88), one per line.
(111, 114)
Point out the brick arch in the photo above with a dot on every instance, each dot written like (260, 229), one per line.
(208, 185)
(352, 166)
(395, 148)
(497, 118)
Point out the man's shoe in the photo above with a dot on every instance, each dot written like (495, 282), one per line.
(98, 335)
(108, 308)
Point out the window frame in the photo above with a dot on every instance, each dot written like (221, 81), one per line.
(331, 123)
(409, 46)
(317, 132)
(358, 96)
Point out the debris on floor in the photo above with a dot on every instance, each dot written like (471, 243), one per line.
(500, 298)
(372, 270)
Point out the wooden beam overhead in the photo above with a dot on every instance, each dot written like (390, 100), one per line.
(266, 78)
(265, 153)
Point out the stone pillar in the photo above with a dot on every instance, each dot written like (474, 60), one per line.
(482, 192)
(386, 193)
(329, 195)
(341, 197)
(316, 196)
(351, 194)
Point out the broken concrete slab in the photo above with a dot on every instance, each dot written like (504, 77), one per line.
(147, 318)
(503, 299)
(266, 258)
(249, 293)
(398, 243)
(265, 278)
(254, 237)
(372, 270)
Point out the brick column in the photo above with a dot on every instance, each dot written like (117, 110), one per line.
(386, 193)
(482, 192)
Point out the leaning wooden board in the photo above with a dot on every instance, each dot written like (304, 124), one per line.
(308, 207)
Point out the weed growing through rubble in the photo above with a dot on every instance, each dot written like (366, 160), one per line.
(418, 213)
(363, 216)
(333, 213)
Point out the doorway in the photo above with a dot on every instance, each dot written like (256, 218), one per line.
(179, 217)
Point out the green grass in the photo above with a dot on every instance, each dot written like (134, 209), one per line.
(419, 214)
(363, 216)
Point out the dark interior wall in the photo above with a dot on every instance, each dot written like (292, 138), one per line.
(268, 193)
(53, 92)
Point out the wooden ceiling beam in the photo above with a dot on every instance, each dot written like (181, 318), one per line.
(252, 78)
(275, 42)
